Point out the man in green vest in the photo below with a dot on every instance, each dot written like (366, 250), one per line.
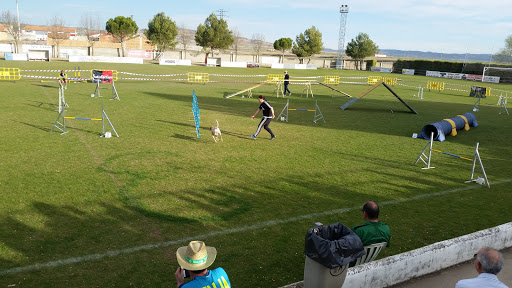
(372, 231)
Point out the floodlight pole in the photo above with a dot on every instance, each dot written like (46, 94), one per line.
(341, 41)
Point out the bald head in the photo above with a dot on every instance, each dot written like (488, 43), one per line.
(372, 210)
(491, 260)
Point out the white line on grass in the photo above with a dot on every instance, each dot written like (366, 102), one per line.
(97, 256)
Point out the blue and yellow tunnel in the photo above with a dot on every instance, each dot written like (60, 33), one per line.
(448, 127)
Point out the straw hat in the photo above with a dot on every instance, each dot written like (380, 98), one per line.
(196, 256)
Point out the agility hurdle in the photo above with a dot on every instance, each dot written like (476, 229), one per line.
(283, 116)
(62, 100)
(426, 159)
(61, 123)
(502, 103)
(278, 80)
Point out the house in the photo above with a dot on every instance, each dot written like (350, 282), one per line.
(40, 33)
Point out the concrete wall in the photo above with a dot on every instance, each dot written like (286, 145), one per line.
(405, 266)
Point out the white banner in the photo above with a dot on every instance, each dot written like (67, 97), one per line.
(106, 59)
(182, 62)
(492, 79)
(380, 69)
(16, 57)
(408, 71)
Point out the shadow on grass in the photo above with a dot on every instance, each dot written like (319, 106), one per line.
(45, 129)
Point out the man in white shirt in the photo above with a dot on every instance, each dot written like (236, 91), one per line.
(488, 263)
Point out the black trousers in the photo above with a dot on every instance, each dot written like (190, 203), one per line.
(264, 124)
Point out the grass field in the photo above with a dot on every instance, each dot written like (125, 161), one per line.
(78, 210)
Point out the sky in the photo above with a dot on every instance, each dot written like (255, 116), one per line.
(455, 26)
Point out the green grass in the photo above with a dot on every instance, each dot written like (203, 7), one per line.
(76, 195)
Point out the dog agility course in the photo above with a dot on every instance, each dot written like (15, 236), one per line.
(79, 210)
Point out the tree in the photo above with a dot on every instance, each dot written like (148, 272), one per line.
(10, 23)
(213, 34)
(360, 48)
(58, 34)
(90, 28)
(257, 42)
(162, 32)
(505, 54)
(184, 37)
(122, 28)
(282, 45)
(308, 44)
(237, 39)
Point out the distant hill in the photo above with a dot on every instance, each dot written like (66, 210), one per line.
(433, 55)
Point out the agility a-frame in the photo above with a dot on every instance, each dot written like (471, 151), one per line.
(351, 101)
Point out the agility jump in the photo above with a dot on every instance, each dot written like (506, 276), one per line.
(440, 129)
(283, 116)
(426, 156)
(61, 123)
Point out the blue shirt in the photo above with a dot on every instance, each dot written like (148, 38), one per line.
(483, 280)
(213, 278)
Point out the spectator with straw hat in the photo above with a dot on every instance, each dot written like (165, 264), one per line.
(195, 259)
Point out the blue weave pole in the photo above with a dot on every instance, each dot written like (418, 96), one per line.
(448, 127)
(196, 112)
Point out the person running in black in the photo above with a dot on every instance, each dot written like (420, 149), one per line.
(286, 77)
(268, 115)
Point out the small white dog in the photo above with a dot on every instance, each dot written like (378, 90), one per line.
(216, 132)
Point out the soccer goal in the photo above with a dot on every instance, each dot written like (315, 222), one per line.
(497, 75)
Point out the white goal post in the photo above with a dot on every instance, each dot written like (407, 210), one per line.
(492, 79)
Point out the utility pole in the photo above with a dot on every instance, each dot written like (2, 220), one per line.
(19, 27)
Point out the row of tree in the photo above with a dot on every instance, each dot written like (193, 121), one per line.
(213, 34)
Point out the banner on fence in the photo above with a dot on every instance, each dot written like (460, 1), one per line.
(145, 54)
(408, 71)
(380, 69)
(462, 76)
(181, 62)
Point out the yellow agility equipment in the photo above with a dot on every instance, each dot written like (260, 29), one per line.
(454, 127)
(332, 80)
(436, 86)
(198, 77)
(275, 78)
(390, 80)
(372, 80)
(10, 74)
